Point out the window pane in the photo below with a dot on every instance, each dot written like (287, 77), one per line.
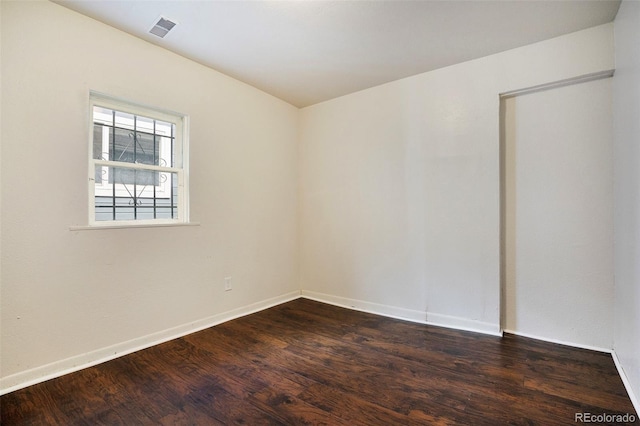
(164, 149)
(121, 149)
(100, 147)
(101, 142)
(134, 147)
(131, 194)
(144, 124)
(122, 176)
(124, 120)
(165, 213)
(103, 115)
(145, 150)
(125, 213)
(131, 146)
(165, 129)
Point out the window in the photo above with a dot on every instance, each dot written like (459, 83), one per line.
(137, 166)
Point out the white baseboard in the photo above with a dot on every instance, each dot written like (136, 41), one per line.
(69, 365)
(560, 342)
(421, 317)
(465, 324)
(627, 384)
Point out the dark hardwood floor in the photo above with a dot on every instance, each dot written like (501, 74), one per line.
(305, 362)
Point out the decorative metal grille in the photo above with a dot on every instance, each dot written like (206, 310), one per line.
(133, 193)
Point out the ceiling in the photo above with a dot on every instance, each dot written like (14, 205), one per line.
(306, 51)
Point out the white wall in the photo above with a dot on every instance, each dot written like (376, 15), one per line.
(626, 109)
(559, 180)
(399, 185)
(72, 297)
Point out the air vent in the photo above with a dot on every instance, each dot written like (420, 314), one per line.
(162, 27)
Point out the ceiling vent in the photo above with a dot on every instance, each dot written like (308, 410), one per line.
(162, 27)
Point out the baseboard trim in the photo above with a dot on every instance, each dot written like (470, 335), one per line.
(560, 342)
(55, 369)
(412, 315)
(627, 384)
(463, 324)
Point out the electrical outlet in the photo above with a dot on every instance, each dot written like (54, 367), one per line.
(227, 283)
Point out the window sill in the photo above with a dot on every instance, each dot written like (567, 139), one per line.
(128, 226)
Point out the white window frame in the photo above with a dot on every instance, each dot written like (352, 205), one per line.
(181, 139)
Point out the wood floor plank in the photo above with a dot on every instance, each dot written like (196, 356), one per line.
(600, 399)
(33, 405)
(294, 411)
(356, 410)
(306, 362)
